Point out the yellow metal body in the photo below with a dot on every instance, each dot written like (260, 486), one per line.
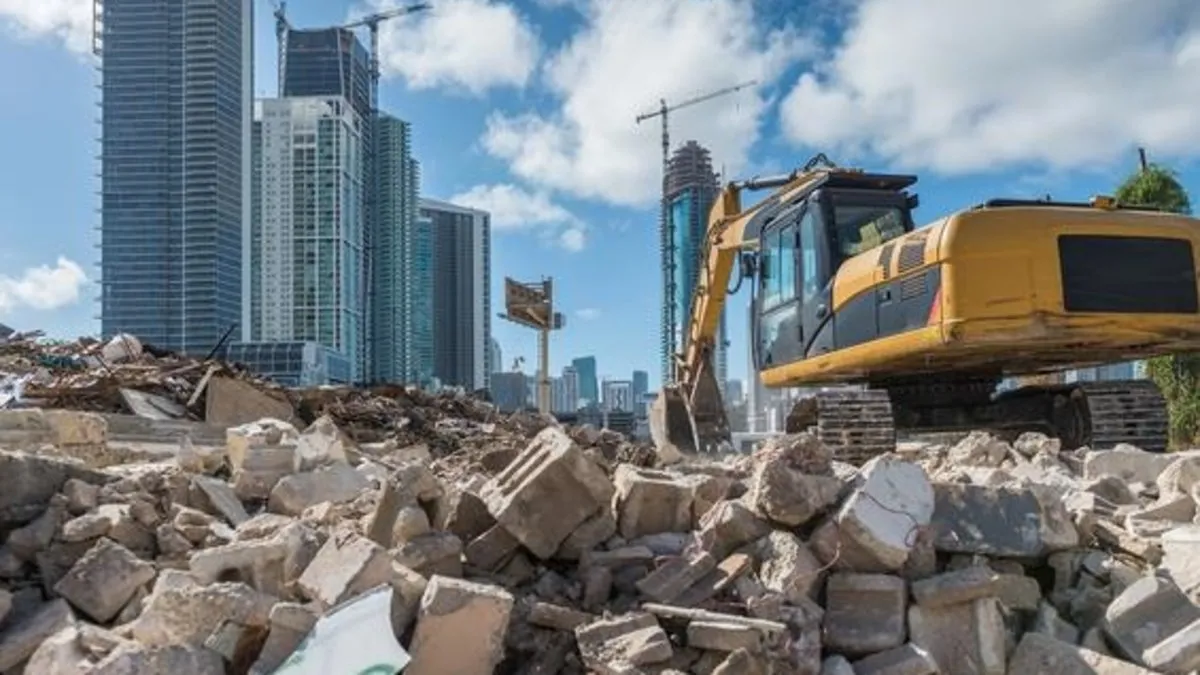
(1000, 304)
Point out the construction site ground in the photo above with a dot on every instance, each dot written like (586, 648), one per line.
(161, 514)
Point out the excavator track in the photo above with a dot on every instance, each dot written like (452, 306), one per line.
(855, 424)
(1129, 411)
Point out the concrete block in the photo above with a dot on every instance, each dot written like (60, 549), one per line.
(1037, 653)
(864, 613)
(669, 581)
(904, 660)
(893, 500)
(1004, 522)
(1146, 613)
(955, 587)
(289, 624)
(19, 641)
(222, 499)
(492, 549)
(74, 427)
(1128, 463)
(462, 512)
(594, 531)
(622, 644)
(788, 566)
(433, 553)
(212, 564)
(729, 525)
(649, 501)
(460, 628)
(556, 617)
(723, 637)
(1178, 653)
(322, 443)
(104, 579)
(335, 483)
(346, 566)
(1181, 556)
(968, 638)
(547, 491)
(790, 497)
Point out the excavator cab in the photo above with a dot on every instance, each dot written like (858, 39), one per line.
(800, 251)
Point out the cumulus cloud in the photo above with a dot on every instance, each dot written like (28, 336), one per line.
(588, 313)
(68, 20)
(630, 54)
(973, 86)
(472, 45)
(42, 287)
(514, 208)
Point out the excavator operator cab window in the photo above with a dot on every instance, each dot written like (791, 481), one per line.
(863, 221)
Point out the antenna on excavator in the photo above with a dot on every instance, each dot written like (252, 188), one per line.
(665, 226)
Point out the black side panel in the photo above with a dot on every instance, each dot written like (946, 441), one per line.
(1127, 275)
(904, 304)
(894, 307)
(856, 321)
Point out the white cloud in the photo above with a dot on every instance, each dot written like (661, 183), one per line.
(472, 45)
(43, 287)
(69, 20)
(588, 313)
(630, 54)
(970, 86)
(514, 208)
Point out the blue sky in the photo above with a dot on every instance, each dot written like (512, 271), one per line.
(527, 108)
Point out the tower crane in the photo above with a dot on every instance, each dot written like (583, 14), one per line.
(665, 226)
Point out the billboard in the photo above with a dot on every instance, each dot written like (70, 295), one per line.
(529, 304)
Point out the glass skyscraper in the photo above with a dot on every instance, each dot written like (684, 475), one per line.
(589, 387)
(177, 89)
(403, 264)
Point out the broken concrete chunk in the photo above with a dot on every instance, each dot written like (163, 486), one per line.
(1178, 653)
(1148, 612)
(1128, 463)
(905, 660)
(433, 553)
(181, 611)
(320, 444)
(999, 521)
(451, 610)
(335, 483)
(980, 449)
(597, 529)
(222, 498)
(669, 581)
(135, 658)
(729, 525)
(864, 613)
(789, 497)
(956, 587)
(650, 502)
(884, 513)
(970, 634)
(614, 646)
(546, 492)
(492, 549)
(104, 579)
(346, 566)
(723, 637)
(21, 639)
(555, 617)
(788, 566)
(836, 665)
(1038, 653)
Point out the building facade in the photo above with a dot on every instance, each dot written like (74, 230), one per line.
(589, 388)
(691, 190)
(641, 387)
(331, 62)
(618, 396)
(177, 102)
(462, 308)
(402, 264)
(495, 355)
(510, 391)
(308, 252)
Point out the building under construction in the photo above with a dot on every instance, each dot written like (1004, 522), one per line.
(691, 189)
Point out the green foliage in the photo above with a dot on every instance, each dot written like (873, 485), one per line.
(1156, 186)
(1177, 375)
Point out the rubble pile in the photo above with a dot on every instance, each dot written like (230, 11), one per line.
(296, 550)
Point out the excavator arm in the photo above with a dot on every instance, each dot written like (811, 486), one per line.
(688, 416)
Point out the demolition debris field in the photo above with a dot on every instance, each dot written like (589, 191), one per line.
(161, 514)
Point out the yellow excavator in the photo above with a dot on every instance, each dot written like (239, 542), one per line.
(903, 328)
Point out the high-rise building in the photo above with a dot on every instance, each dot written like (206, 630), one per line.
(510, 391)
(402, 264)
(461, 294)
(733, 392)
(329, 62)
(177, 99)
(618, 396)
(691, 190)
(308, 250)
(569, 401)
(641, 387)
(589, 389)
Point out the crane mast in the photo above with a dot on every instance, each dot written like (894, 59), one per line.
(666, 227)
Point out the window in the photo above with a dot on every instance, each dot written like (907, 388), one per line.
(779, 276)
(811, 275)
(860, 228)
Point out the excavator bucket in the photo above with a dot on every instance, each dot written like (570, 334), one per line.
(672, 426)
